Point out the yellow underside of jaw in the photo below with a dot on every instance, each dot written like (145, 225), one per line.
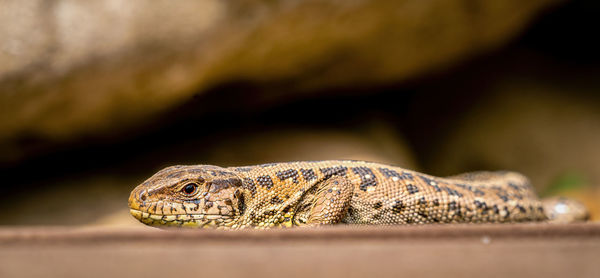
(182, 220)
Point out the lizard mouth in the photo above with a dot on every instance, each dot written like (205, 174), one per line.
(182, 220)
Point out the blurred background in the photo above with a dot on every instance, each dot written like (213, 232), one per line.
(96, 96)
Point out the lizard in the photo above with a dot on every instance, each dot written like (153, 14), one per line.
(315, 193)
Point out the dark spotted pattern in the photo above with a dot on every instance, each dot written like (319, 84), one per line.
(480, 205)
(336, 170)
(451, 191)
(308, 174)
(412, 189)
(507, 212)
(406, 176)
(367, 177)
(276, 200)
(518, 196)
(453, 206)
(244, 169)
(495, 209)
(265, 181)
(249, 185)
(514, 186)
(475, 190)
(388, 173)
(431, 183)
(288, 174)
(503, 197)
(398, 207)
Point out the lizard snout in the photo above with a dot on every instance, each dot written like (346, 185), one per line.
(137, 197)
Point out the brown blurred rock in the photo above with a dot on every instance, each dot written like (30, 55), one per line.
(70, 67)
(377, 143)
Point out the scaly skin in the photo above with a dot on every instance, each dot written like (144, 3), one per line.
(328, 192)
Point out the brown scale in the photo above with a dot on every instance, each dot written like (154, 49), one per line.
(328, 192)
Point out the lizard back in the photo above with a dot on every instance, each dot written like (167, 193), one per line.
(387, 195)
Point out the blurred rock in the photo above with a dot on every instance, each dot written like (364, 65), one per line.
(379, 143)
(544, 129)
(70, 68)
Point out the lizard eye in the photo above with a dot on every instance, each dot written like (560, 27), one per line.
(190, 189)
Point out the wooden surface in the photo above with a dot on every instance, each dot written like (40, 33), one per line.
(524, 250)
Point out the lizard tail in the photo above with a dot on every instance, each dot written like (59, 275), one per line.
(564, 210)
(555, 209)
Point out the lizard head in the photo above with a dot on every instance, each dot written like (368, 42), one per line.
(191, 196)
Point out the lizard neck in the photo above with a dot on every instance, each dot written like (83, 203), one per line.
(272, 198)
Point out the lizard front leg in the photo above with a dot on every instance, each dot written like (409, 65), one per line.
(328, 204)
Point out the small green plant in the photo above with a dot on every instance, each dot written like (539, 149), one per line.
(568, 181)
